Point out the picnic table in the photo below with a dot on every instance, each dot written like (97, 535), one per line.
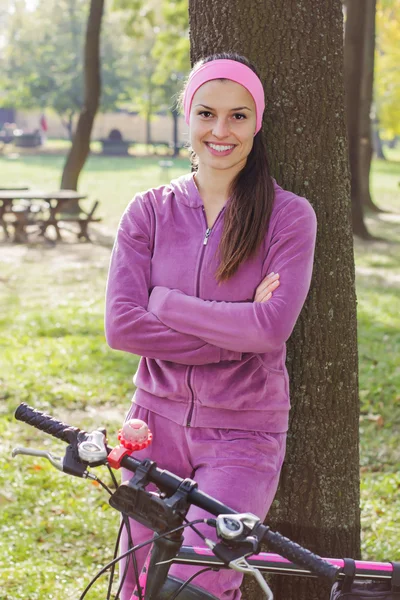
(21, 208)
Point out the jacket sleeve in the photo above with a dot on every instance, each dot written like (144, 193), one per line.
(252, 326)
(128, 324)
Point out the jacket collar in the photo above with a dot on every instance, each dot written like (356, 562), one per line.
(186, 191)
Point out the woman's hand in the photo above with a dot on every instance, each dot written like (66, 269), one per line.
(266, 287)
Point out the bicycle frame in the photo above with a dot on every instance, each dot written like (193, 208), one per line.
(265, 562)
(276, 564)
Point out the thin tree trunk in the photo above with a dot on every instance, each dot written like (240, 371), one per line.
(68, 124)
(376, 140)
(354, 54)
(175, 116)
(367, 85)
(299, 53)
(148, 127)
(81, 142)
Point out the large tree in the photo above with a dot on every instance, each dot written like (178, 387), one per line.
(298, 48)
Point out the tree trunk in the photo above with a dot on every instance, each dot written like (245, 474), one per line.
(354, 62)
(299, 53)
(367, 86)
(175, 116)
(148, 127)
(81, 142)
(376, 139)
(68, 124)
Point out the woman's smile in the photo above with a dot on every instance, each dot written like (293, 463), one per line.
(220, 149)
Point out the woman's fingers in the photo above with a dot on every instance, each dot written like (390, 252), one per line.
(271, 286)
(266, 287)
(267, 293)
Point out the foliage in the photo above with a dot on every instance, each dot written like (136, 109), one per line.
(166, 35)
(42, 64)
(387, 71)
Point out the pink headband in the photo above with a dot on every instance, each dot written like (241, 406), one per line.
(226, 69)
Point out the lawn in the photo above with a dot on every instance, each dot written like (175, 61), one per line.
(53, 355)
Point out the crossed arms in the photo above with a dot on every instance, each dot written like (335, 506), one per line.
(170, 325)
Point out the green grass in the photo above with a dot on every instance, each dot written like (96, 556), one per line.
(378, 294)
(54, 531)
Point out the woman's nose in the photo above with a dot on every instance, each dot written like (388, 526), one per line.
(221, 128)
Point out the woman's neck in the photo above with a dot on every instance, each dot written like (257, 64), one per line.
(213, 185)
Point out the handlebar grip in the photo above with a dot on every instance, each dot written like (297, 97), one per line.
(46, 423)
(300, 556)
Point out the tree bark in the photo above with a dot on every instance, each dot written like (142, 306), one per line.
(298, 49)
(81, 142)
(354, 61)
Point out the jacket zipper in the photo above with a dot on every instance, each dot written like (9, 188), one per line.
(206, 236)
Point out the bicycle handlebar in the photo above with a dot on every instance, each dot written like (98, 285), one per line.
(170, 483)
(299, 555)
(46, 423)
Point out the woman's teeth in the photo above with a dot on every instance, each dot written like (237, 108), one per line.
(220, 148)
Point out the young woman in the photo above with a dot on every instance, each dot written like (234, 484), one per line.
(208, 276)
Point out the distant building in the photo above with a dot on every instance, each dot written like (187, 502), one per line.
(131, 126)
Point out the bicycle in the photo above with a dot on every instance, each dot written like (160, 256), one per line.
(239, 534)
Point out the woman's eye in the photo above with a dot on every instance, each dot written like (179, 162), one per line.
(205, 113)
(239, 116)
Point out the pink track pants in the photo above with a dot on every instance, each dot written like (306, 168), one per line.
(239, 468)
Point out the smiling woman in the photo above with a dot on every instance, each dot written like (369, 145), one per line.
(224, 115)
(207, 278)
(223, 131)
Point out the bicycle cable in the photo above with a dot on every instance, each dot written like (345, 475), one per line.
(134, 549)
(132, 557)
(185, 583)
(203, 537)
(99, 481)
(124, 521)
(114, 479)
(112, 570)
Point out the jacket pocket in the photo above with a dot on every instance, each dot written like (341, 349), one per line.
(245, 385)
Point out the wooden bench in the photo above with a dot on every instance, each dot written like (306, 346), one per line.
(21, 215)
(82, 219)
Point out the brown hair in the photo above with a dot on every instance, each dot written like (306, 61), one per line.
(252, 196)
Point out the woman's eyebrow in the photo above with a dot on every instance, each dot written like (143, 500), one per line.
(238, 108)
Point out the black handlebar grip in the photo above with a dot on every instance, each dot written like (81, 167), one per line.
(46, 423)
(300, 556)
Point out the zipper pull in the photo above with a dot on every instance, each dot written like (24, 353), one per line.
(208, 231)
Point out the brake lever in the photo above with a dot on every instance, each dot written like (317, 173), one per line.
(240, 564)
(54, 460)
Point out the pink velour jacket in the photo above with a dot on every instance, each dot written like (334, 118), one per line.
(211, 356)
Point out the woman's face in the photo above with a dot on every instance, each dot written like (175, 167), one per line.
(222, 124)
